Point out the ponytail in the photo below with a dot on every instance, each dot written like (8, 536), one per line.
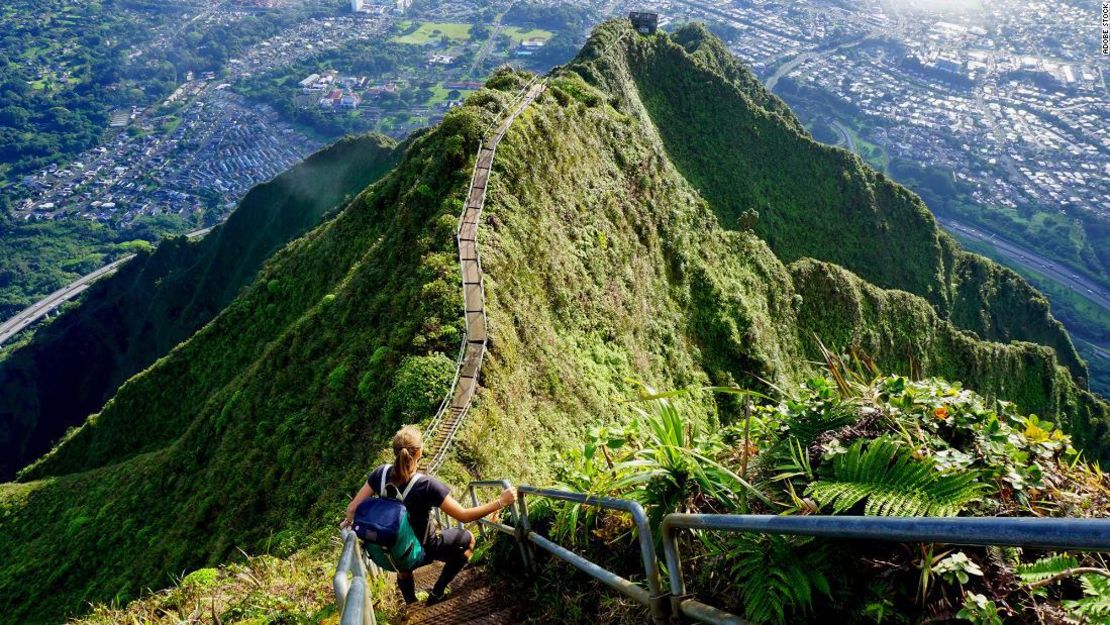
(406, 444)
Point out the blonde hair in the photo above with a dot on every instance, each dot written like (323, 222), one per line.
(406, 444)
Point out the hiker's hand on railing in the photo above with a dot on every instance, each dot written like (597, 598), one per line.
(345, 523)
(507, 498)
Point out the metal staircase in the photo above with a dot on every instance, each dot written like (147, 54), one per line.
(474, 602)
(441, 431)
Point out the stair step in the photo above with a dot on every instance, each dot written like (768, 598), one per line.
(472, 600)
(504, 616)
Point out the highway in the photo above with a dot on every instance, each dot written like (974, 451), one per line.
(39, 309)
(1022, 256)
(846, 137)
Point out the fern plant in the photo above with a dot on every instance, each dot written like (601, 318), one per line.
(1046, 568)
(893, 483)
(777, 575)
(1094, 606)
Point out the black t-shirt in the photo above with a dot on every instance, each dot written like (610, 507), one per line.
(426, 494)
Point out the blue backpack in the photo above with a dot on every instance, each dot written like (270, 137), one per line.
(382, 523)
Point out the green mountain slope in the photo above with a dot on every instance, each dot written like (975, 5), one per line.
(126, 322)
(817, 201)
(602, 262)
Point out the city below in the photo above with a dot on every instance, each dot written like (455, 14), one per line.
(1003, 106)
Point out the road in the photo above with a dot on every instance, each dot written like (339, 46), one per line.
(41, 308)
(1022, 256)
(844, 135)
(488, 45)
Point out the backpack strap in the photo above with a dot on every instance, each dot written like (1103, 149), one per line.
(385, 474)
(408, 487)
(412, 482)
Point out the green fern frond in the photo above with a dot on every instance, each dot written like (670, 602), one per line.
(1094, 607)
(893, 483)
(1045, 568)
(778, 575)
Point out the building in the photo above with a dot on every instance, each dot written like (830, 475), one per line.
(356, 5)
(644, 23)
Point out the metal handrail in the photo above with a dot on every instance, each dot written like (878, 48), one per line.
(654, 597)
(1074, 534)
(484, 523)
(352, 596)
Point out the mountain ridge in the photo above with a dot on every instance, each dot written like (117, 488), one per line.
(602, 262)
(126, 322)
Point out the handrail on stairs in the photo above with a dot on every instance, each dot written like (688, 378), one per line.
(653, 597)
(352, 596)
(1039, 533)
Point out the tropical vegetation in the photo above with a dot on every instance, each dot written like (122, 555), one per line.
(850, 442)
(610, 251)
(129, 320)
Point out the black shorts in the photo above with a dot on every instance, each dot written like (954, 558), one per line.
(450, 544)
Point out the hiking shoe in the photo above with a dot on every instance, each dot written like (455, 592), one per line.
(433, 598)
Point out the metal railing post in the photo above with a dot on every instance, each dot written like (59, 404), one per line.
(523, 529)
(658, 605)
(654, 598)
(674, 571)
(474, 503)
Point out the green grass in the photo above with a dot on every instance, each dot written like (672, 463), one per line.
(440, 93)
(171, 124)
(429, 32)
(518, 34)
